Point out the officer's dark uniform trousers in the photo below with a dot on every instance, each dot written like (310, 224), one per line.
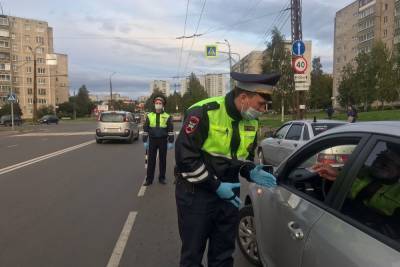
(155, 144)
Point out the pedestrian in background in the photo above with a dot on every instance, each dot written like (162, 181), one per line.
(329, 112)
(215, 145)
(351, 114)
(158, 136)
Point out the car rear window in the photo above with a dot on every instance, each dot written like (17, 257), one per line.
(322, 127)
(112, 117)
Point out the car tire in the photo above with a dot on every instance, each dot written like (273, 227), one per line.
(137, 136)
(246, 235)
(98, 141)
(131, 139)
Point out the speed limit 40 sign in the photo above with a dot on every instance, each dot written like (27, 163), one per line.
(299, 65)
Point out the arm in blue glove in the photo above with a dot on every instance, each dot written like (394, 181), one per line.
(225, 192)
(170, 146)
(261, 177)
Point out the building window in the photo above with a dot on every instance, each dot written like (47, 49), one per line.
(40, 29)
(386, 7)
(4, 44)
(42, 91)
(40, 60)
(40, 50)
(30, 91)
(385, 33)
(13, 36)
(5, 77)
(29, 80)
(27, 27)
(28, 69)
(14, 58)
(4, 66)
(15, 68)
(28, 58)
(385, 19)
(3, 21)
(15, 79)
(4, 33)
(41, 70)
(41, 81)
(14, 47)
(30, 101)
(39, 40)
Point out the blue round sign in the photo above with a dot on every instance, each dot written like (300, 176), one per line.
(298, 48)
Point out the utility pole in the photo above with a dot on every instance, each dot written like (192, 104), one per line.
(74, 107)
(34, 88)
(230, 60)
(111, 94)
(297, 34)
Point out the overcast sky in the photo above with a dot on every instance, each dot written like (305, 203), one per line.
(137, 38)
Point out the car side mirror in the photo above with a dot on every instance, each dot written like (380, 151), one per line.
(268, 168)
(270, 134)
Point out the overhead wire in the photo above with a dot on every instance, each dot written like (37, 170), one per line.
(193, 40)
(184, 33)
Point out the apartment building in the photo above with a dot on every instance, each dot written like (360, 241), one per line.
(161, 85)
(358, 26)
(214, 84)
(251, 63)
(21, 41)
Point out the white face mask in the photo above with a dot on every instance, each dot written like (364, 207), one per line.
(250, 113)
(158, 106)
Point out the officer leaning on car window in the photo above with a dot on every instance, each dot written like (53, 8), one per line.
(215, 145)
(158, 135)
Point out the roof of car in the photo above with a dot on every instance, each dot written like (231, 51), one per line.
(378, 127)
(318, 121)
(117, 111)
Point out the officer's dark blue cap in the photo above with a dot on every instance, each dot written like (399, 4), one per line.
(257, 83)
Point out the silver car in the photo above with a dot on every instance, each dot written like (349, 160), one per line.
(289, 137)
(308, 220)
(116, 125)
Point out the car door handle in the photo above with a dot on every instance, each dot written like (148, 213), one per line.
(295, 231)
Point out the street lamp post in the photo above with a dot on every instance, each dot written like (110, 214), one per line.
(230, 59)
(111, 98)
(34, 112)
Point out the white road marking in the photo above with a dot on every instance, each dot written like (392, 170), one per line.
(12, 146)
(41, 158)
(122, 240)
(54, 134)
(142, 190)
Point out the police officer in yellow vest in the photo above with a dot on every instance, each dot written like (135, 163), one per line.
(215, 145)
(157, 135)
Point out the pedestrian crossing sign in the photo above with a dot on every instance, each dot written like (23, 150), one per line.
(12, 98)
(211, 51)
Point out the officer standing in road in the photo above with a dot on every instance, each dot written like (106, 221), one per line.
(157, 135)
(215, 145)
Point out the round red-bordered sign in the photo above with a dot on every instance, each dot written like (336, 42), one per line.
(300, 65)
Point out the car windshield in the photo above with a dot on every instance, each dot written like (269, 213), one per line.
(319, 127)
(112, 117)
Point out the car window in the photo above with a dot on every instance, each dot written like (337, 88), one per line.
(294, 132)
(112, 117)
(280, 134)
(319, 127)
(374, 197)
(310, 175)
(306, 134)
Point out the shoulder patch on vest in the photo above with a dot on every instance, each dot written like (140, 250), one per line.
(191, 124)
(211, 106)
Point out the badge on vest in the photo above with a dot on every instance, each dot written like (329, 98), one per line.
(192, 124)
(249, 128)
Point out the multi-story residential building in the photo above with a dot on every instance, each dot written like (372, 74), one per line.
(358, 26)
(251, 63)
(161, 85)
(214, 84)
(21, 41)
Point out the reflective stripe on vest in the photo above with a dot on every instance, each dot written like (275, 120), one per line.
(153, 119)
(218, 142)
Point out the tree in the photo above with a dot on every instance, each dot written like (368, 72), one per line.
(321, 86)
(84, 105)
(174, 103)
(385, 74)
(195, 92)
(277, 59)
(365, 77)
(65, 109)
(6, 109)
(45, 110)
(396, 66)
(347, 94)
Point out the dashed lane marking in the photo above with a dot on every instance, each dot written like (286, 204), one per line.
(54, 134)
(122, 240)
(142, 190)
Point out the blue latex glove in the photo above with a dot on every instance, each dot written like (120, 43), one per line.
(146, 145)
(225, 192)
(261, 177)
(170, 146)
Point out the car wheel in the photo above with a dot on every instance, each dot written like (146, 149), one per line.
(131, 139)
(137, 136)
(98, 141)
(246, 236)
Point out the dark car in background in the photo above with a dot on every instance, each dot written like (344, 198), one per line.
(49, 119)
(6, 120)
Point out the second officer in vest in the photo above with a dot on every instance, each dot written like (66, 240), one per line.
(215, 145)
(157, 135)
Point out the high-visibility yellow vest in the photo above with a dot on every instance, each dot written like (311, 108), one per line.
(218, 142)
(152, 117)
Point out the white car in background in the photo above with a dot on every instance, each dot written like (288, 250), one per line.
(292, 135)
